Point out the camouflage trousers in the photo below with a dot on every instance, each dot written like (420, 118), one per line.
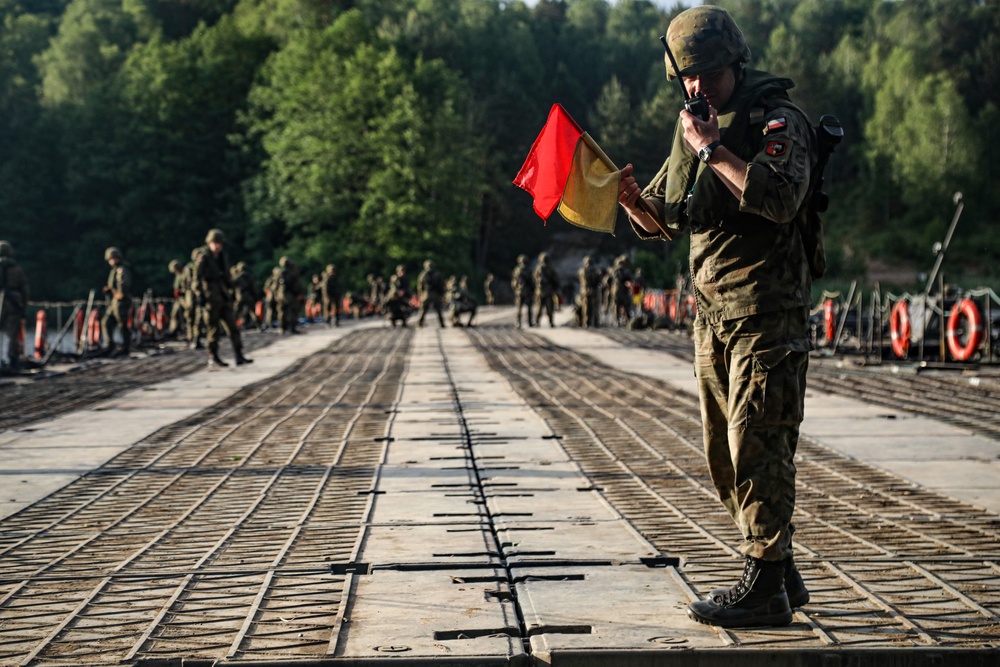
(752, 379)
(219, 315)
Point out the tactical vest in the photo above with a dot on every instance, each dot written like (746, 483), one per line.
(741, 263)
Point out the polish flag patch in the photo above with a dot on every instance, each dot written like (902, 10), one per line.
(776, 125)
(775, 148)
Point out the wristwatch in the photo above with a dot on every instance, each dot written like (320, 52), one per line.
(705, 152)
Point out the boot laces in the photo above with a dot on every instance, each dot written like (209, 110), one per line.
(740, 588)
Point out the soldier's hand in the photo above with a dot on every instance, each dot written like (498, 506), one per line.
(629, 190)
(700, 133)
(106, 288)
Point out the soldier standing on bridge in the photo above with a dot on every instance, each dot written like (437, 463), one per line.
(177, 308)
(119, 288)
(588, 297)
(331, 294)
(212, 288)
(13, 299)
(524, 289)
(546, 287)
(739, 182)
(430, 289)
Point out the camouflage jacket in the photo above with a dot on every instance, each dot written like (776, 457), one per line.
(120, 282)
(14, 285)
(747, 255)
(212, 280)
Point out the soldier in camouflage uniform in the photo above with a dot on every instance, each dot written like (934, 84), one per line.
(588, 297)
(13, 299)
(245, 295)
(271, 298)
(431, 290)
(289, 296)
(524, 289)
(177, 320)
(119, 288)
(212, 288)
(747, 170)
(399, 285)
(461, 301)
(331, 294)
(546, 286)
(194, 313)
(488, 286)
(621, 293)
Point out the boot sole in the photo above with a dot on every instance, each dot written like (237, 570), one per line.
(769, 621)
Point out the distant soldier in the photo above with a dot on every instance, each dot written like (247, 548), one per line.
(589, 296)
(461, 301)
(314, 296)
(245, 294)
(119, 289)
(177, 320)
(524, 289)
(194, 314)
(212, 290)
(431, 290)
(397, 308)
(331, 293)
(621, 292)
(271, 298)
(546, 287)
(488, 286)
(376, 292)
(400, 283)
(290, 296)
(13, 299)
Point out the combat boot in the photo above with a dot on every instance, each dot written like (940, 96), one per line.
(757, 600)
(795, 588)
(214, 361)
(241, 360)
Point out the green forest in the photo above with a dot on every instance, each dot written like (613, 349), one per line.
(369, 133)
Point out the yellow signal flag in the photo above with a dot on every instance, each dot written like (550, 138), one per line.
(590, 198)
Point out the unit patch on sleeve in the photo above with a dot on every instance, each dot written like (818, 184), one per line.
(775, 148)
(775, 125)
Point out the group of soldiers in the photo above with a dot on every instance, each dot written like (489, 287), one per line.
(208, 293)
(395, 300)
(610, 291)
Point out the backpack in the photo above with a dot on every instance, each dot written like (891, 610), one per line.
(829, 133)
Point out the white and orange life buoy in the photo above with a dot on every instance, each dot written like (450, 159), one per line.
(899, 329)
(829, 325)
(964, 309)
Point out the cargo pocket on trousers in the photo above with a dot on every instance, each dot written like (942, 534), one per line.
(772, 396)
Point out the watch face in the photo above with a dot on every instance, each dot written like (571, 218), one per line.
(705, 154)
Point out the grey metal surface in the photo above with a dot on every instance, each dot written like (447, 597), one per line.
(471, 497)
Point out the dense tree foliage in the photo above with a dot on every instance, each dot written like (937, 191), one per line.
(376, 132)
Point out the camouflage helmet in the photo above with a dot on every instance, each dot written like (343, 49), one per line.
(400, 268)
(112, 253)
(174, 266)
(587, 260)
(428, 264)
(215, 236)
(543, 256)
(283, 261)
(704, 39)
(330, 268)
(6, 249)
(195, 253)
(522, 259)
(240, 266)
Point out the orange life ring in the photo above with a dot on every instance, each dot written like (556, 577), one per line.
(829, 326)
(964, 309)
(899, 329)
